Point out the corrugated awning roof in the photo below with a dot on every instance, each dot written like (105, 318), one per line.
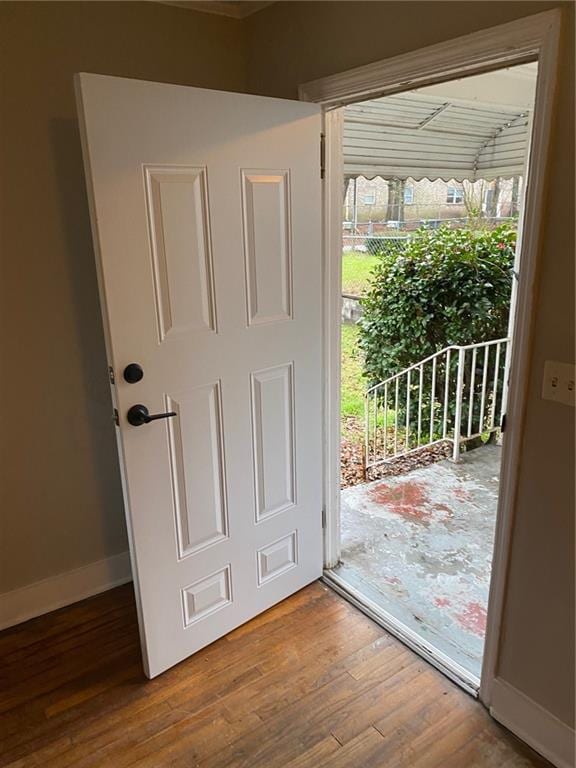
(419, 136)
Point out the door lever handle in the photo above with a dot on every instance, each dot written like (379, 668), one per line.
(139, 414)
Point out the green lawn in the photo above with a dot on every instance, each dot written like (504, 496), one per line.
(352, 394)
(356, 268)
(353, 384)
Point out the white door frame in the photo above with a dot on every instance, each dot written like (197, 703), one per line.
(527, 39)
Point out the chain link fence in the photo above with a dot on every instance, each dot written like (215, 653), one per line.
(375, 237)
(373, 245)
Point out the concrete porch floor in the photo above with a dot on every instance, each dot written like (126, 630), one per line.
(420, 545)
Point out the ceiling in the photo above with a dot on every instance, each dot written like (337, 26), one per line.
(474, 128)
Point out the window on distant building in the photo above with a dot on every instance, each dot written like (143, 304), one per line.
(408, 195)
(454, 195)
(369, 197)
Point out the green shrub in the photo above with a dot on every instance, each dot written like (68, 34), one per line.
(445, 286)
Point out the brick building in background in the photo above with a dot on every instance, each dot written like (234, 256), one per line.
(377, 205)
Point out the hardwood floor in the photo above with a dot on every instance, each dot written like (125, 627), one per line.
(312, 682)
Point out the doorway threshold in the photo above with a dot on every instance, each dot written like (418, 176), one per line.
(362, 597)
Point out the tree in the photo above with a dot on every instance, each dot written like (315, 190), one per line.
(515, 195)
(473, 195)
(395, 208)
(493, 198)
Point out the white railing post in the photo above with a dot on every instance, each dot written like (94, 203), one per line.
(446, 393)
(458, 411)
(505, 382)
(367, 456)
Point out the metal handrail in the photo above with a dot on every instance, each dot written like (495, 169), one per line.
(472, 417)
(435, 354)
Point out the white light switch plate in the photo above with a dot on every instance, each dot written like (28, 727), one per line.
(558, 384)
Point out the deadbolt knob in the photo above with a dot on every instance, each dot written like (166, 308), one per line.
(133, 373)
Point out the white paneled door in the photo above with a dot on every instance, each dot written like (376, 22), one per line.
(206, 220)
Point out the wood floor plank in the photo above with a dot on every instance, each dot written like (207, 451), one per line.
(290, 679)
(204, 664)
(425, 741)
(321, 751)
(42, 755)
(355, 719)
(59, 623)
(364, 750)
(492, 746)
(311, 682)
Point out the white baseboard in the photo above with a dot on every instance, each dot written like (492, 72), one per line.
(49, 594)
(544, 732)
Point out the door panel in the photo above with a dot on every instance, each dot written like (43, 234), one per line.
(197, 468)
(266, 209)
(273, 448)
(206, 220)
(177, 209)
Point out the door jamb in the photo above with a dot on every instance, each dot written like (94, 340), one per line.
(332, 194)
(527, 39)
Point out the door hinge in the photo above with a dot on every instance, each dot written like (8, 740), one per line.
(115, 417)
(322, 155)
(503, 423)
(324, 517)
(111, 374)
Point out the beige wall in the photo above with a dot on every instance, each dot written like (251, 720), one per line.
(290, 43)
(61, 498)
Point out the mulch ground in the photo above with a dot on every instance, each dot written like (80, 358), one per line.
(352, 461)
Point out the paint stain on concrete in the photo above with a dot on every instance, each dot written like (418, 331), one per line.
(473, 618)
(441, 560)
(445, 509)
(408, 499)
